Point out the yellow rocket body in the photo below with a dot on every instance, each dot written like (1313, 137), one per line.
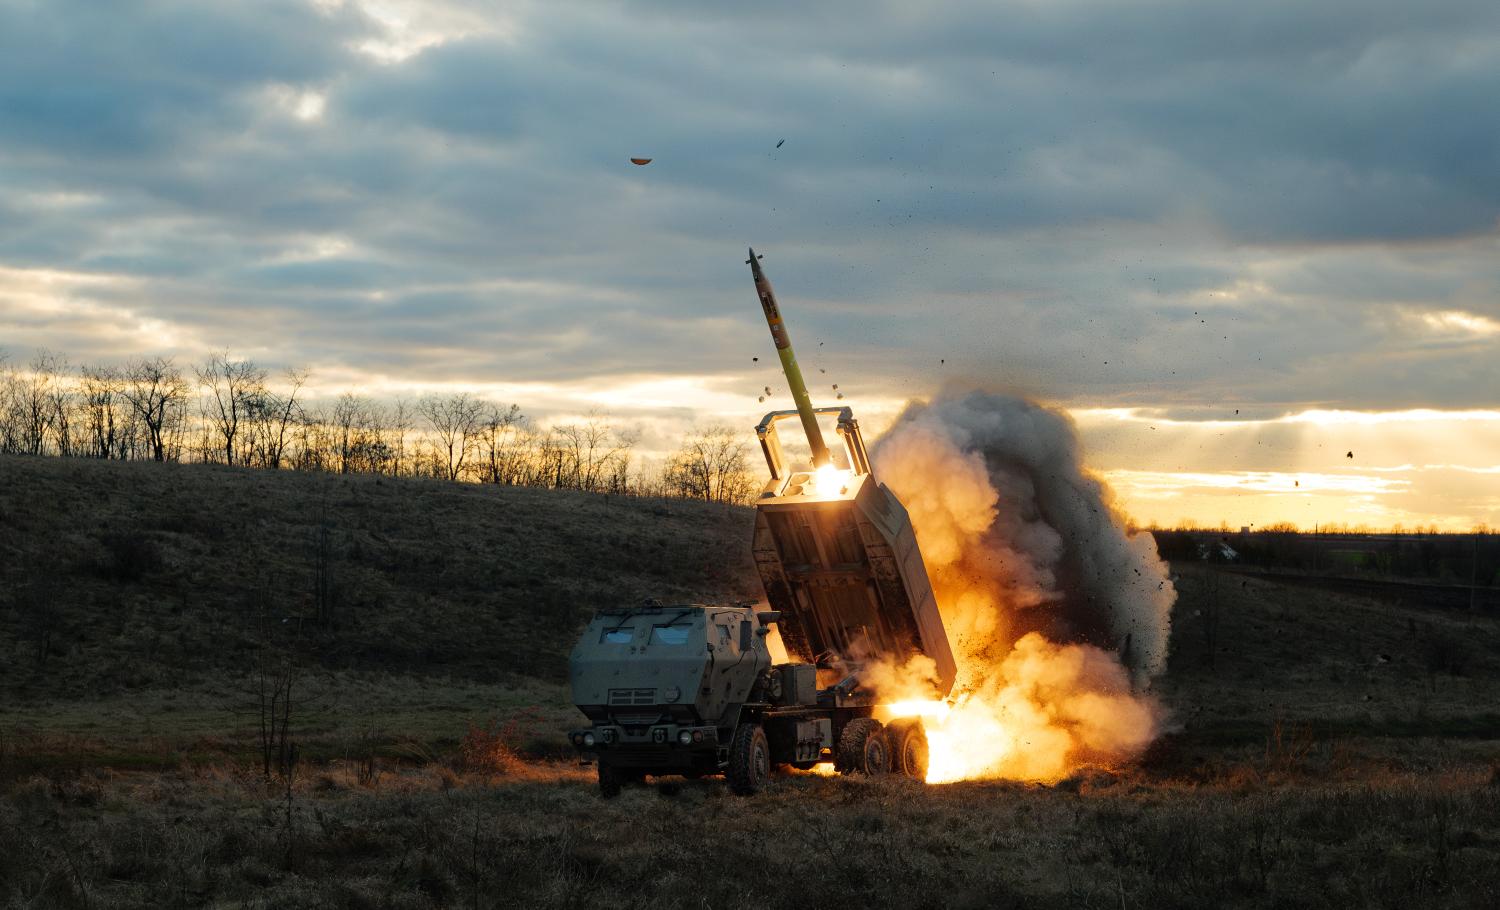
(820, 456)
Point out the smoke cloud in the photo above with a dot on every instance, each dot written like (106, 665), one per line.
(1058, 616)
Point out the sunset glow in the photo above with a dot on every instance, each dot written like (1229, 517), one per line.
(381, 208)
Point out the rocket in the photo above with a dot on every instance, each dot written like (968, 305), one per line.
(820, 455)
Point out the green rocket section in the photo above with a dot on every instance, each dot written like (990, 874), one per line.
(820, 456)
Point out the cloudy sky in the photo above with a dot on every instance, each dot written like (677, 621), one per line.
(1239, 241)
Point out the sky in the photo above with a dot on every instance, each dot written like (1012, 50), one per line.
(1253, 248)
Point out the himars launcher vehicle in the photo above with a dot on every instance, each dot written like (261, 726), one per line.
(693, 689)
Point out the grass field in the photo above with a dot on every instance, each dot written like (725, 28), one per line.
(1326, 749)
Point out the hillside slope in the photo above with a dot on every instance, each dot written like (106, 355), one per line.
(124, 576)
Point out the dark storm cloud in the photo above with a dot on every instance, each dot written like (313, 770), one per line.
(1163, 204)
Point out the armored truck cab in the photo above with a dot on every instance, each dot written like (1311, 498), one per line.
(664, 686)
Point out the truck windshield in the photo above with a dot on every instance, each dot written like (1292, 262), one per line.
(620, 636)
(670, 635)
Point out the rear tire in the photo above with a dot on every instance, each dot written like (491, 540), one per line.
(749, 760)
(862, 748)
(908, 744)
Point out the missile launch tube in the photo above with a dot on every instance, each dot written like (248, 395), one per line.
(820, 455)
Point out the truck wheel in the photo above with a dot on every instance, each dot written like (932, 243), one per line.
(749, 760)
(862, 748)
(908, 743)
(609, 781)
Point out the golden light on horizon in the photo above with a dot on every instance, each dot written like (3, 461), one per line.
(1311, 468)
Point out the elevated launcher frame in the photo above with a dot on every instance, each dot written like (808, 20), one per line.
(835, 549)
(838, 558)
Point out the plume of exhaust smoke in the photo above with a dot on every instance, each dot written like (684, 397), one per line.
(1058, 616)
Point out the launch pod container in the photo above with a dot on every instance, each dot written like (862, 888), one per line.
(838, 558)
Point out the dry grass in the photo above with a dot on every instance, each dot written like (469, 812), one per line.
(1337, 751)
(541, 838)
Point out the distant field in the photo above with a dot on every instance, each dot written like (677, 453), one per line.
(1330, 747)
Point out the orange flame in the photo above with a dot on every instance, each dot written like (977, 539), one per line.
(1046, 710)
(1023, 707)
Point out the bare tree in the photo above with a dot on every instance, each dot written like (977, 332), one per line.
(502, 428)
(32, 409)
(60, 398)
(592, 454)
(272, 417)
(142, 411)
(7, 385)
(711, 465)
(350, 420)
(109, 422)
(400, 424)
(371, 453)
(232, 386)
(311, 439)
(455, 421)
(158, 394)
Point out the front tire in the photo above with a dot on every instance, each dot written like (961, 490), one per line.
(863, 749)
(749, 760)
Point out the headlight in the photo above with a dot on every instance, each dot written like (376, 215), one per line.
(588, 740)
(685, 737)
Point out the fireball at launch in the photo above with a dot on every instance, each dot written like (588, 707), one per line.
(1057, 615)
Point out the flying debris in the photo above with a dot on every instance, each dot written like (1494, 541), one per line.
(760, 398)
(1296, 483)
(640, 161)
(1348, 454)
(839, 396)
(768, 390)
(835, 387)
(781, 143)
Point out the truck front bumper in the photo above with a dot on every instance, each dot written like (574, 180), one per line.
(662, 745)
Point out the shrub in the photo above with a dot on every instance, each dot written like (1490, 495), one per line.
(131, 556)
(484, 749)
